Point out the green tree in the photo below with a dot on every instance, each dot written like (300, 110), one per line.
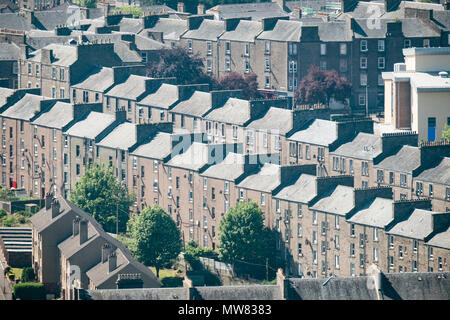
(446, 133)
(28, 275)
(156, 239)
(100, 194)
(87, 3)
(240, 233)
(7, 194)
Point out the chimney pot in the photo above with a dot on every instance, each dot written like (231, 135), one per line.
(106, 248)
(76, 226)
(48, 201)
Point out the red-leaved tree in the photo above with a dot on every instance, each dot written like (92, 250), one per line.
(319, 86)
(234, 81)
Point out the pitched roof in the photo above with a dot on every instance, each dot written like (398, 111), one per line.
(339, 200)
(284, 30)
(235, 111)
(418, 225)
(318, 132)
(441, 239)
(194, 158)
(131, 88)
(197, 105)
(99, 79)
(231, 168)
(9, 51)
(303, 190)
(159, 147)
(208, 30)
(438, 174)
(121, 137)
(25, 108)
(377, 213)
(57, 117)
(51, 19)
(92, 126)
(172, 29)
(256, 11)
(63, 55)
(246, 31)
(274, 119)
(404, 160)
(4, 94)
(266, 179)
(165, 97)
(14, 21)
(364, 146)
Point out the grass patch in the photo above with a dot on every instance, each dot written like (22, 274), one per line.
(169, 277)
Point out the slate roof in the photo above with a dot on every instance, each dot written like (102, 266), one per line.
(208, 30)
(442, 19)
(122, 137)
(333, 31)
(146, 44)
(4, 94)
(231, 168)
(265, 180)
(71, 245)
(50, 19)
(377, 213)
(194, 158)
(197, 105)
(441, 239)
(303, 190)
(25, 108)
(125, 53)
(418, 225)
(362, 10)
(99, 79)
(9, 51)
(130, 89)
(57, 117)
(14, 21)
(439, 174)
(159, 147)
(411, 28)
(339, 200)
(165, 97)
(256, 11)
(131, 25)
(364, 146)
(284, 30)
(274, 119)
(172, 29)
(92, 126)
(235, 111)
(246, 31)
(405, 160)
(63, 55)
(318, 132)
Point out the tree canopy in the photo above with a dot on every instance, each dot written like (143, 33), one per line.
(155, 238)
(86, 3)
(247, 83)
(319, 86)
(446, 133)
(98, 193)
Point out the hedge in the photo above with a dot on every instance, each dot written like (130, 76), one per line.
(29, 291)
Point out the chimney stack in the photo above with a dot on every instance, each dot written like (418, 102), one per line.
(55, 208)
(76, 226)
(83, 231)
(48, 201)
(297, 13)
(106, 248)
(112, 260)
(201, 8)
(180, 7)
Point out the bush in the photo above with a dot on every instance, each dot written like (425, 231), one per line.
(29, 291)
(192, 253)
(25, 213)
(27, 275)
(3, 213)
(9, 221)
(172, 282)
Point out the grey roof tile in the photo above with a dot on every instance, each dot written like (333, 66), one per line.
(405, 160)
(303, 190)
(172, 29)
(92, 126)
(377, 214)
(57, 117)
(99, 79)
(235, 111)
(231, 168)
(318, 132)
(438, 174)
(275, 119)
(340, 201)
(9, 51)
(25, 108)
(246, 31)
(63, 55)
(267, 179)
(159, 147)
(364, 146)
(131, 88)
(197, 105)
(441, 239)
(418, 225)
(208, 30)
(165, 97)
(284, 30)
(256, 11)
(122, 137)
